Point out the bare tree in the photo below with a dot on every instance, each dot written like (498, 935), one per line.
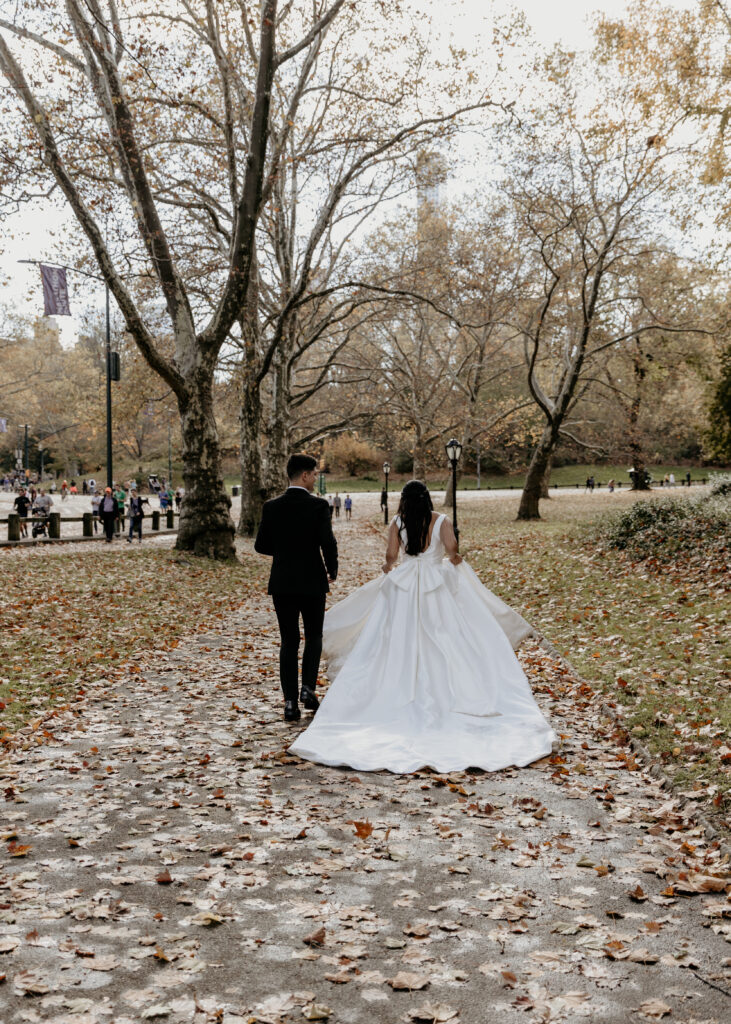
(125, 122)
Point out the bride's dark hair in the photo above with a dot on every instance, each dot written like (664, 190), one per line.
(415, 509)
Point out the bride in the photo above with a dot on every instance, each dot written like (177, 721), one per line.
(422, 664)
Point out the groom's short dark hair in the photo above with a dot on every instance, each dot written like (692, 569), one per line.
(299, 464)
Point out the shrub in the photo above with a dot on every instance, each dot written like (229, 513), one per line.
(720, 485)
(666, 528)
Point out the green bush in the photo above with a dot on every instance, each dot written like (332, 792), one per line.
(720, 485)
(666, 528)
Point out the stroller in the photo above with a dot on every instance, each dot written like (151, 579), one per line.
(40, 524)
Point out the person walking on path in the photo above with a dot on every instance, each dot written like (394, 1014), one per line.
(337, 502)
(44, 501)
(348, 507)
(108, 513)
(330, 505)
(297, 532)
(136, 514)
(95, 502)
(178, 498)
(121, 497)
(64, 490)
(671, 479)
(22, 503)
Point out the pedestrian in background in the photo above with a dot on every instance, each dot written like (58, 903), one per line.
(348, 506)
(337, 502)
(22, 503)
(136, 514)
(109, 513)
(95, 502)
(121, 497)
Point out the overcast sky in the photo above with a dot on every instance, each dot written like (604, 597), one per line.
(39, 233)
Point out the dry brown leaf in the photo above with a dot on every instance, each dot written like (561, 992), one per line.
(655, 1008)
(408, 981)
(316, 938)
(433, 1013)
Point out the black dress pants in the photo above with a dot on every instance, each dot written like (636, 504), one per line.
(108, 521)
(289, 608)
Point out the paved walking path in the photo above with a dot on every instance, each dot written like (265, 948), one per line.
(164, 858)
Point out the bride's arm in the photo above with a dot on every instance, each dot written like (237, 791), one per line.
(392, 549)
(450, 542)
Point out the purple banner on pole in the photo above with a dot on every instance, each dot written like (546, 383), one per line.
(55, 291)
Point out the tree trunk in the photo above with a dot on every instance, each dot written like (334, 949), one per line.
(278, 450)
(635, 444)
(419, 467)
(531, 495)
(206, 527)
(545, 482)
(253, 493)
(448, 491)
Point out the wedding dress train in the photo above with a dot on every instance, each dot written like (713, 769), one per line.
(424, 674)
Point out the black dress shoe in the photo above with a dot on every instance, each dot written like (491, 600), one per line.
(291, 711)
(309, 699)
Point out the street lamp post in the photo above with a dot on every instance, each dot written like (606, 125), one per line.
(386, 471)
(41, 451)
(454, 451)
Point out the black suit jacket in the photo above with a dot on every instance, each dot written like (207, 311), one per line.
(296, 530)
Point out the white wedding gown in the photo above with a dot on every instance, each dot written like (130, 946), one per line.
(424, 675)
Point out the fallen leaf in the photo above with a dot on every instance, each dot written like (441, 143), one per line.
(433, 1013)
(655, 1008)
(363, 829)
(316, 938)
(408, 981)
(316, 1011)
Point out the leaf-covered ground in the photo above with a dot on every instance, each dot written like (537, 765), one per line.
(165, 858)
(66, 615)
(655, 639)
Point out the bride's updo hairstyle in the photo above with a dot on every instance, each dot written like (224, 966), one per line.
(415, 509)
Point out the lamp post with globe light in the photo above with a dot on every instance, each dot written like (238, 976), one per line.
(454, 451)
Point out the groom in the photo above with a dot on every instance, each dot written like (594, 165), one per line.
(296, 530)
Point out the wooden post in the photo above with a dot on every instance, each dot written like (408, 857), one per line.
(54, 525)
(88, 527)
(155, 519)
(13, 526)
(170, 519)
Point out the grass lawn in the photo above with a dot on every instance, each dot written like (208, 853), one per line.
(66, 618)
(655, 641)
